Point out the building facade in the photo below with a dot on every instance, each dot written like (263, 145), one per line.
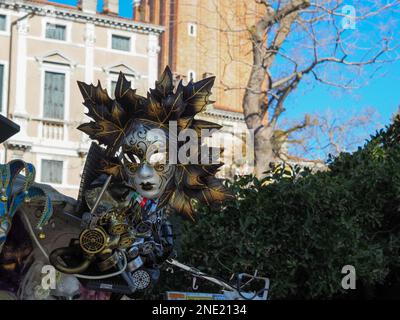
(47, 47)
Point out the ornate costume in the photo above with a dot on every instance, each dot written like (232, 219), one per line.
(137, 174)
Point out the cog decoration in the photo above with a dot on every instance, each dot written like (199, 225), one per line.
(93, 241)
(141, 279)
(112, 120)
(11, 200)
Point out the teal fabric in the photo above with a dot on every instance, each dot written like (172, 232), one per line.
(11, 200)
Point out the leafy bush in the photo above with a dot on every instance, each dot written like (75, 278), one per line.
(301, 230)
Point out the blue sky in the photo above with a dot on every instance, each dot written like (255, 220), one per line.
(124, 6)
(381, 92)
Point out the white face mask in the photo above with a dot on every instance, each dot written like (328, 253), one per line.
(145, 160)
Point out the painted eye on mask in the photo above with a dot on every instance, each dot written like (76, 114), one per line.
(132, 158)
(133, 150)
(132, 167)
(132, 162)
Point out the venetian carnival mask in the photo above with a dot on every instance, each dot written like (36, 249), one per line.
(145, 159)
(135, 132)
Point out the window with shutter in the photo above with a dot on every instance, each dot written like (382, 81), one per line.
(3, 21)
(112, 89)
(52, 171)
(1, 86)
(54, 95)
(55, 31)
(121, 43)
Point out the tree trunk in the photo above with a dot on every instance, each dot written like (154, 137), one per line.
(254, 105)
(263, 151)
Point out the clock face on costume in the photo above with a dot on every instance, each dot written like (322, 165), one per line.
(145, 159)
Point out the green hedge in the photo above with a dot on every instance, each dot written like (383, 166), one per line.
(300, 231)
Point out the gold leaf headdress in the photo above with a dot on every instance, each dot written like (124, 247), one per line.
(112, 120)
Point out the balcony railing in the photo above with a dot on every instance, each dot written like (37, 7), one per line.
(53, 130)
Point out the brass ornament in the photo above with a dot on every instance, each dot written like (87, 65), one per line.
(93, 241)
(126, 240)
(118, 227)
